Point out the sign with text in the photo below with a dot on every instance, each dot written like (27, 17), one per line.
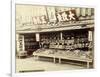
(67, 16)
(90, 36)
(51, 14)
(37, 37)
(40, 20)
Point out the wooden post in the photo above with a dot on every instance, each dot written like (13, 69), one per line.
(61, 36)
(60, 60)
(54, 59)
(87, 64)
(91, 39)
(23, 43)
(17, 42)
(93, 47)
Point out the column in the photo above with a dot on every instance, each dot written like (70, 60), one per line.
(23, 44)
(91, 48)
(88, 65)
(59, 60)
(61, 36)
(54, 59)
(17, 42)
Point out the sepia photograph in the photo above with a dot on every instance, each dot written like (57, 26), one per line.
(53, 38)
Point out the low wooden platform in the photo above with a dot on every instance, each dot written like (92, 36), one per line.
(60, 57)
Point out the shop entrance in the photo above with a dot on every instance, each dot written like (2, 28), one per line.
(69, 40)
(31, 44)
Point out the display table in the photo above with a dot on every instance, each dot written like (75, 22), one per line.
(63, 56)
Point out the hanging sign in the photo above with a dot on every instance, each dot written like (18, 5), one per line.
(90, 35)
(66, 16)
(51, 14)
(37, 37)
(39, 20)
(69, 15)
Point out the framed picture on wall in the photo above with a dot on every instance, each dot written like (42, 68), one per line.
(51, 37)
